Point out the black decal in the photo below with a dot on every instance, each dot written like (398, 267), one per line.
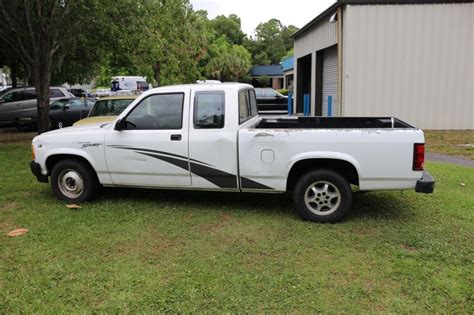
(158, 152)
(177, 162)
(215, 176)
(250, 184)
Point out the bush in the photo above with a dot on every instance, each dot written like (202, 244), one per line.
(283, 92)
(263, 81)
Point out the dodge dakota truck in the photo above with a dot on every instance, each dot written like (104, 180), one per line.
(210, 137)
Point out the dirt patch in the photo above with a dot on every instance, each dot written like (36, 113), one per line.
(223, 221)
(12, 135)
(6, 224)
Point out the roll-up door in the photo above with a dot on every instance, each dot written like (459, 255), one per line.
(330, 81)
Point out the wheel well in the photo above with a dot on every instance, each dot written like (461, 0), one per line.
(54, 159)
(345, 168)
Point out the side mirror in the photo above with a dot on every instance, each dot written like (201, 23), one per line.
(120, 125)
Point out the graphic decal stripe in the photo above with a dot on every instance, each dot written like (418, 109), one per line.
(250, 184)
(158, 152)
(217, 177)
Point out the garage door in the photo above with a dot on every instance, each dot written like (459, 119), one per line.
(330, 81)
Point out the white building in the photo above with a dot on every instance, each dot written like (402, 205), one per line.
(409, 59)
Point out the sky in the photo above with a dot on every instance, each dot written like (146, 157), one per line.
(253, 12)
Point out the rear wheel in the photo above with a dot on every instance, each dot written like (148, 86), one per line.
(74, 181)
(52, 125)
(322, 196)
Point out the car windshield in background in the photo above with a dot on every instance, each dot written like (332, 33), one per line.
(109, 107)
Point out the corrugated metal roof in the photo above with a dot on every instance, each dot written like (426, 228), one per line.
(271, 70)
(332, 9)
(288, 63)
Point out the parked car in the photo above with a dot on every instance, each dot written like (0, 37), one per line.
(270, 101)
(62, 113)
(210, 137)
(4, 88)
(17, 101)
(106, 109)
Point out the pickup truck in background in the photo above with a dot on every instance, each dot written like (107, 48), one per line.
(210, 137)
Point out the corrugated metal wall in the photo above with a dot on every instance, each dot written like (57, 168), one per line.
(330, 81)
(410, 61)
(321, 36)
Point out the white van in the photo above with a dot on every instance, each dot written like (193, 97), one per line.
(129, 83)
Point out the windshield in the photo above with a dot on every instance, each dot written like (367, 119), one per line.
(109, 107)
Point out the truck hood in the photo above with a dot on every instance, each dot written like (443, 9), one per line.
(76, 132)
(95, 120)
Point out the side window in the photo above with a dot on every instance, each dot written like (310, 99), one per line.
(14, 96)
(244, 108)
(158, 112)
(30, 94)
(55, 93)
(58, 105)
(76, 103)
(209, 110)
(247, 105)
(253, 103)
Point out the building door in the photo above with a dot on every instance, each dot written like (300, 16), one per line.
(330, 79)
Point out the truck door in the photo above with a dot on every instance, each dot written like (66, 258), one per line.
(213, 141)
(152, 148)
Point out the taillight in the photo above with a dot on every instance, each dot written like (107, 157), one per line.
(418, 156)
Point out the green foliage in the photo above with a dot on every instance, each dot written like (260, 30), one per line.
(290, 53)
(230, 27)
(263, 81)
(283, 92)
(271, 43)
(227, 62)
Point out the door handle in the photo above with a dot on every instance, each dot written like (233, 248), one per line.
(175, 137)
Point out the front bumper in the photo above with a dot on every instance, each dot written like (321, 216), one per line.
(36, 170)
(425, 184)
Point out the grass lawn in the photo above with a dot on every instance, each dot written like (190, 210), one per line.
(460, 143)
(162, 251)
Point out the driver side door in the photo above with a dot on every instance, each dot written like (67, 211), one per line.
(152, 149)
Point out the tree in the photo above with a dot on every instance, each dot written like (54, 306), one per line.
(230, 27)
(163, 40)
(42, 33)
(228, 62)
(271, 42)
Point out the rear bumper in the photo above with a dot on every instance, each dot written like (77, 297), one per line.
(36, 170)
(425, 184)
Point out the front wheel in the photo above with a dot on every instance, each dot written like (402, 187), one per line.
(322, 196)
(74, 181)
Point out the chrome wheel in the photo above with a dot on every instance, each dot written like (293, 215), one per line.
(322, 198)
(70, 183)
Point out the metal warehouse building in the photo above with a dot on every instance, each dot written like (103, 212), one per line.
(409, 59)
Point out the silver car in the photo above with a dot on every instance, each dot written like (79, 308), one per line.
(16, 101)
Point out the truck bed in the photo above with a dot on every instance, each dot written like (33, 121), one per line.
(295, 122)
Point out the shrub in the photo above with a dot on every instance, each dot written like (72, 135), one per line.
(283, 92)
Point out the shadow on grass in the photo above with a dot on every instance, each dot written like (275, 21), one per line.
(386, 206)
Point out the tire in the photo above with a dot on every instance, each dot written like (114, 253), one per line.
(322, 196)
(52, 125)
(74, 181)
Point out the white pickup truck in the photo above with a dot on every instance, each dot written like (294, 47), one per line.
(210, 137)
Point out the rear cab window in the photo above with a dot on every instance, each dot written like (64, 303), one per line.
(247, 105)
(56, 93)
(209, 110)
